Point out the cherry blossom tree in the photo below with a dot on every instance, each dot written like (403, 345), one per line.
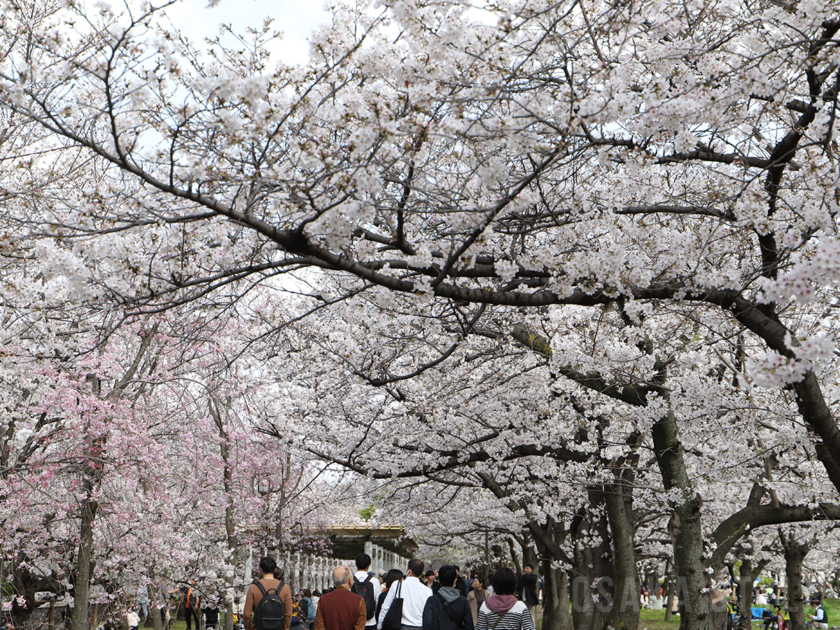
(141, 463)
(664, 170)
(496, 417)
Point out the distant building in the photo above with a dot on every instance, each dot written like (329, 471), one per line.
(387, 545)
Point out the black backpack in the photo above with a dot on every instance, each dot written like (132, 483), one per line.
(270, 611)
(365, 589)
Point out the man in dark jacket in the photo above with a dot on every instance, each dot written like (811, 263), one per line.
(447, 609)
(528, 589)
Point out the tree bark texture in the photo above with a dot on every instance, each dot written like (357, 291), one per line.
(154, 611)
(555, 599)
(591, 565)
(230, 527)
(747, 575)
(794, 557)
(627, 588)
(81, 591)
(686, 529)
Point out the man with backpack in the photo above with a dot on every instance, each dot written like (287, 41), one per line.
(341, 609)
(447, 609)
(367, 587)
(268, 604)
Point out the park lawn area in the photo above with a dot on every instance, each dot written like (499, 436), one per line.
(650, 619)
(832, 608)
(655, 620)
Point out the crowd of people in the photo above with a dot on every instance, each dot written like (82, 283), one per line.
(360, 600)
(416, 600)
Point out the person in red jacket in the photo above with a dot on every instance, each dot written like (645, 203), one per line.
(341, 609)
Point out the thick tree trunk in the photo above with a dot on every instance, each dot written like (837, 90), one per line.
(747, 575)
(720, 611)
(691, 580)
(155, 600)
(686, 528)
(92, 472)
(626, 590)
(232, 542)
(592, 568)
(794, 557)
(555, 599)
(230, 526)
(584, 614)
(81, 590)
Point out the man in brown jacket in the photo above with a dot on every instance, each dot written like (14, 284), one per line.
(341, 609)
(267, 566)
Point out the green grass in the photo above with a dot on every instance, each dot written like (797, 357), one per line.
(655, 620)
(832, 607)
(650, 619)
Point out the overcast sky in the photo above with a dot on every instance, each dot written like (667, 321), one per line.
(295, 18)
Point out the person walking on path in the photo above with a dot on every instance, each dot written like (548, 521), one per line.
(447, 609)
(528, 589)
(367, 586)
(477, 596)
(255, 594)
(394, 575)
(341, 609)
(502, 611)
(414, 595)
(310, 608)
